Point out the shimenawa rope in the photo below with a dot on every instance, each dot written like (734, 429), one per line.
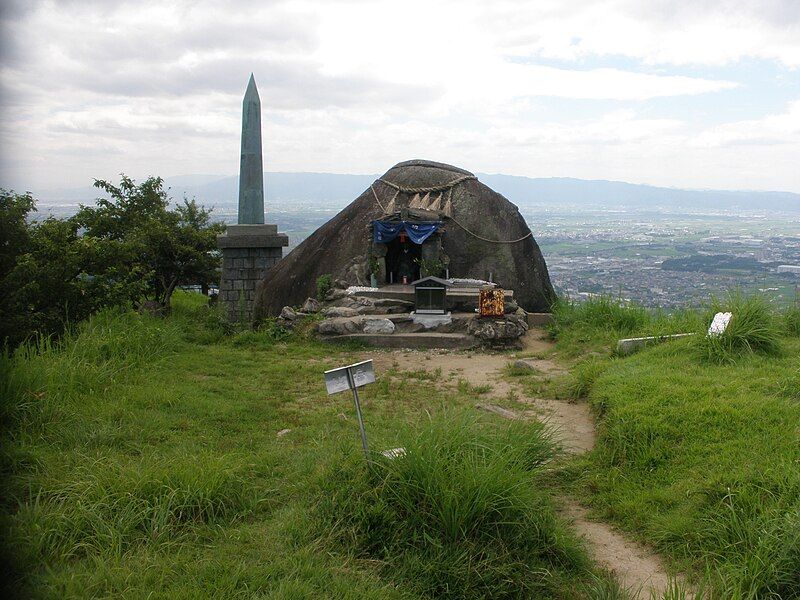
(432, 188)
(376, 199)
(436, 188)
(473, 234)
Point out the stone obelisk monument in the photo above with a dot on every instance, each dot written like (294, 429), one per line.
(251, 172)
(250, 247)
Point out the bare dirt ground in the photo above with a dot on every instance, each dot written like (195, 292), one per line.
(636, 567)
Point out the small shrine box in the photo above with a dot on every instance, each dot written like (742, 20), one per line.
(492, 302)
(430, 295)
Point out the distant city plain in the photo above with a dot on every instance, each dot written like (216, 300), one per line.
(654, 246)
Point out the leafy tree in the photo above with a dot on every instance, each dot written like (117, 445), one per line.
(14, 233)
(167, 247)
(51, 276)
(126, 248)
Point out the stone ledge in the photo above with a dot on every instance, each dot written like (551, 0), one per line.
(452, 341)
(254, 229)
(253, 241)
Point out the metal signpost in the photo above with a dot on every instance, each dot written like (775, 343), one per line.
(352, 377)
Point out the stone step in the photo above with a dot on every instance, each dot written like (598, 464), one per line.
(539, 319)
(425, 340)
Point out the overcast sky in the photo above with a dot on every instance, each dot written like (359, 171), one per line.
(701, 94)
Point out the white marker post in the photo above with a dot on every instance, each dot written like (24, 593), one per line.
(352, 377)
(719, 324)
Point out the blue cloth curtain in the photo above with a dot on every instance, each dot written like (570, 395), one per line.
(384, 232)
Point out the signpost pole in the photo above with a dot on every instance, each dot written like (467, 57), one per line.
(352, 377)
(358, 413)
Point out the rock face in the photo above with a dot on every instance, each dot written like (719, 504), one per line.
(343, 245)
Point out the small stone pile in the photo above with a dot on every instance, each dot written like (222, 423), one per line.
(500, 331)
(340, 306)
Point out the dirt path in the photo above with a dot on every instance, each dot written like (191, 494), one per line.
(572, 421)
(636, 568)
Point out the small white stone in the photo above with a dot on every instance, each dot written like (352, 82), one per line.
(283, 432)
(355, 289)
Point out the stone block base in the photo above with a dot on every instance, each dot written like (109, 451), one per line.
(246, 257)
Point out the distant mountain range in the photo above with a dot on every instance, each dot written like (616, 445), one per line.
(330, 190)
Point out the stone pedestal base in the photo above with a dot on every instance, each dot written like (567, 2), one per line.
(248, 252)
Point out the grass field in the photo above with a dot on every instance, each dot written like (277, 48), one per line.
(699, 447)
(141, 459)
(703, 461)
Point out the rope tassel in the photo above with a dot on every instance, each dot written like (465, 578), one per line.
(447, 211)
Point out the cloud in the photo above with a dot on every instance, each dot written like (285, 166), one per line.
(661, 32)
(781, 128)
(93, 87)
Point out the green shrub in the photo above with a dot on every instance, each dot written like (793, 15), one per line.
(752, 328)
(128, 248)
(461, 515)
(324, 285)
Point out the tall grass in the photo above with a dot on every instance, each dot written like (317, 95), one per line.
(701, 459)
(754, 327)
(598, 322)
(106, 508)
(760, 527)
(791, 321)
(42, 377)
(462, 515)
(67, 496)
(598, 312)
(583, 376)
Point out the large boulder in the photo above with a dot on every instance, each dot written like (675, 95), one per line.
(481, 236)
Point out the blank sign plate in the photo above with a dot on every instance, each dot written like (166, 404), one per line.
(336, 379)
